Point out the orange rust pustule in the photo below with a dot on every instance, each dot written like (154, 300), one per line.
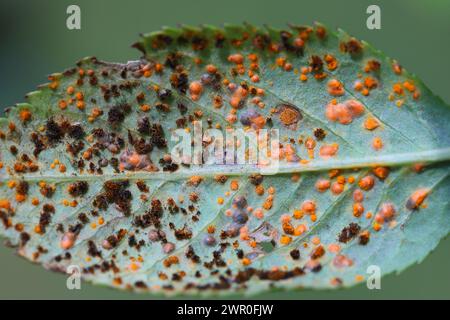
(327, 151)
(386, 213)
(381, 172)
(344, 112)
(289, 115)
(417, 198)
(366, 183)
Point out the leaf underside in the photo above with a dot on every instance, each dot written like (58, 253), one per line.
(85, 179)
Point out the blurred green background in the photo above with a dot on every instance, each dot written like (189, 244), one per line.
(34, 42)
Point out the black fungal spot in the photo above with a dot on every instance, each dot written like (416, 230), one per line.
(83, 218)
(24, 238)
(13, 150)
(295, 254)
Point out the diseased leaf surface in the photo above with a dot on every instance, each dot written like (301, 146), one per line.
(85, 176)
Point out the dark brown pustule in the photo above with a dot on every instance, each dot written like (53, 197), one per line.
(182, 107)
(164, 94)
(53, 131)
(13, 149)
(78, 188)
(164, 107)
(256, 179)
(179, 79)
(352, 46)
(143, 125)
(183, 234)
(261, 41)
(157, 136)
(173, 60)
(349, 232)
(76, 131)
(142, 147)
(117, 113)
(22, 188)
(75, 148)
(316, 63)
(320, 134)
(364, 238)
(38, 142)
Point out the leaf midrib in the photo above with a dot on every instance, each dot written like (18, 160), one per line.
(390, 160)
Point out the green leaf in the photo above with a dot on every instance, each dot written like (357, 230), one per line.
(75, 191)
